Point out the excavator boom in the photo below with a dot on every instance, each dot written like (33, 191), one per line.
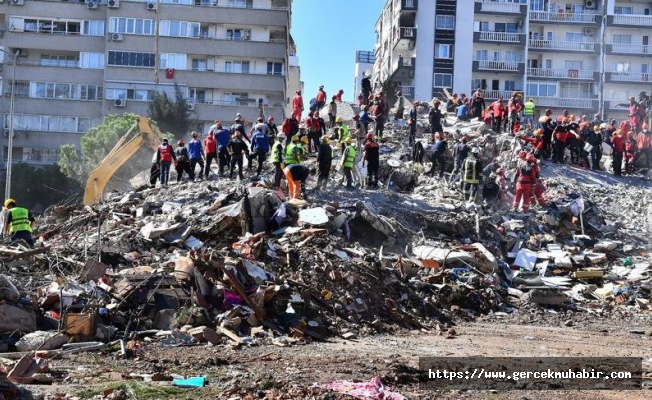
(142, 132)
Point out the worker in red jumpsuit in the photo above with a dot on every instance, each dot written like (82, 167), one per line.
(338, 96)
(636, 114)
(297, 106)
(525, 178)
(537, 143)
(617, 151)
(537, 188)
(630, 152)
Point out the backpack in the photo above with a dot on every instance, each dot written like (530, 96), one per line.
(313, 104)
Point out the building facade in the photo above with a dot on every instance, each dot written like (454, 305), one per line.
(80, 60)
(364, 63)
(585, 56)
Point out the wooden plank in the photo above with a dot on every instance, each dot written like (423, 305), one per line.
(231, 335)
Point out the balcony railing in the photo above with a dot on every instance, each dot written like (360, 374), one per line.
(630, 77)
(407, 33)
(501, 36)
(498, 65)
(562, 45)
(407, 91)
(560, 73)
(492, 6)
(562, 17)
(631, 48)
(563, 102)
(499, 94)
(637, 20)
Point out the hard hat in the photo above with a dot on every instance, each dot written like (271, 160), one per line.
(321, 86)
(347, 140)
(500, 171)
(369, 136)
(302, 126)
(295, 138)
(603, 125)
(270, 119)
(260, 119)
(180, 143)
(475, 150)
(531, 157)
(399, 93)
(522, 155)
(548, 111)
(305, 140)
(9, 202)
(339, 120)
(281, 135)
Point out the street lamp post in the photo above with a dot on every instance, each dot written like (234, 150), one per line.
(10, 141)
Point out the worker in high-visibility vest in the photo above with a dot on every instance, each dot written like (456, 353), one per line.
(19, 222)
(528, 113)
(471, 174)
(277, 157)
(348, 162)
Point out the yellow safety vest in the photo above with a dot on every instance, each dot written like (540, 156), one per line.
(19, 220)
(529, 108)
(349, 157)
(468, 172)
(290, 155)
(275, 157)
(345, 132)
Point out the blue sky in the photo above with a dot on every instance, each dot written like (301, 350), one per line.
(327, 34)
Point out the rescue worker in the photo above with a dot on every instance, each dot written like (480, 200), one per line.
(477, 104)
(412, 124)
(460, 152)
(343, 132)
(238, 126)
(617, 151)
(324, 161)
(348, 161)
(547, 124)
(536, 142)
(498, 110)
(365, 118)
(630, 152)
(339, 94)
(320, 97)
(525, 177)
(292, 152)
(358, 132)
(434, 118)
(471, 175)
(636, 114)
(528, 113)
(594, 139)
(303, 142)
(165, 157)
(276, 158)
(491, 189)
(210, 146)
(537, 187)
(437, 155)
(378, 112)
(314, 131)
(332, 113)
(196, 155)
(19, 222)
(272, 130)
(644, 145)
(221, 152)
(297, 106)
(296, 176)
(259, 147)
(559, 145)
(183, 161)
(372, 158)
(237, 150)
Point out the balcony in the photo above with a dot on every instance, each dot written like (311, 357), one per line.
(499, 37)
(500, 8)
(406, 5)
(564, 102)
(407, 91)
(60, 42)
(563, 73)
(564, 17)
(562, 45)
(404, 38)
(499, 94)
(515, 67)
(629, 49)
(631, 77)
(403, 68)
(634, 21)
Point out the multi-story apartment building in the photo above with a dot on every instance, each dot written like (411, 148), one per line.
(364, 63)
(585, 56)
(80, 60)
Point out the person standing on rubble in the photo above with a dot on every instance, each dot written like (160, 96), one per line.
(644, 145)
(276, 158)
(498, 110)
(348, 161)
(537, 187)
(594, 139)
(636, 114)
(332, 113)
(630, 152)
(460, 153)
(412, 124)
(320, 98)
(183, 161)
(378, 113)
(434, 119)
(524, 177)
(437, 156)
(477, 104)
(400, 106)
(366, 89)
(559, 144)
(365, 118)
(196, 155)
(536, 142)
(315, 131)
(296, 176)
(358, 132)
(154, 170)
(272, 130)
(339, 95)
(292, 153)
(19, 222)
(372, 158)
(165, 157)
(297, 106)
(324, 162)
(259, 147)
(547, 124)
(528, 114)
(216, 149)
(471, 175)
(343, 132)
(617, 151)
(237, 150)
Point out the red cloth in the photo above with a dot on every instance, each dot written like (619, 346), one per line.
(618, 143)
(630, 150)
(523, 191)
(321, 96)
(537, 142)
(165, 152)
(498, 109)
(210, 144)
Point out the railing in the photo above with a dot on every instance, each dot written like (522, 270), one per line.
(562, 45)
(498, 65)
(563, 102)
(402, 62)
(501, 36)
(638, 20)
(408, 4)
(491, 6)
(562, 17)
(407, 91)
(251, 104)
(560, 73)
(499, 94)
(407, 32)
(630, 77)
(631, 48)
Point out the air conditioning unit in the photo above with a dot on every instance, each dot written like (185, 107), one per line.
(18, 2)
(116, 37)
(589, 31)
(191, 106)
(590, 4)
(113, 3)
(151, 6)
(92, 5)
(119, 103)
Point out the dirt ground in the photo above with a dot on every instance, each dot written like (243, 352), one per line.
(273, 372)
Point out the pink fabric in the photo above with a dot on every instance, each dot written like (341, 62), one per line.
(374, 390)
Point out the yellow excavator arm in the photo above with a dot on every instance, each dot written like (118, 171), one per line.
(142, 132)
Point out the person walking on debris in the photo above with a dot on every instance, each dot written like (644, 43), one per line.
(196, 155)
(477, 104)
(460, 153)
(217, 141)
(537, 187)
(259, 147)
(272, 130)
(471, 175)
(400, 106)
(359, 132)
(165, 157)
(296, 176)
(365, 118)
(372, 158)
(524, 177)
(324, 162)
(183, 161)
(297, 106)
(19, 222)
(594, 139)
(332, 113)
(348, 161)
(434, 119)
(617, 151)
(276, 158)
(498, 110)
(378, 113)
(644, 145)
(292, 154)
(437, 156)
(237, 150)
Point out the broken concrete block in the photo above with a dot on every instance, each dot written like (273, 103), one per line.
(41, 340)
(16, 319)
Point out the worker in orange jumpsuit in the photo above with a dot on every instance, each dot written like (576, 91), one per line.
(296, 176)
(536, 141)
(525, 177)
(537, 188)
(297, 106)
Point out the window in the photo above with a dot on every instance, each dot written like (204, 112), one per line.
(543, 89)
(71, 91)
(443, 80)
(197, 95)
(130, 94)
(444, 51)
(509, 27)
(476, 84)
(621, 67)
(52, 123)
(134, 26)
(237, 67)
(574, 36)
(274, 68)
(45, 26)
(21, 88)
(512, 56)
(179, 29)
(91, 60)
(577, 90)
(173, 60)
(622, 10)
(184, 2)
(236, 99)
(572, 64)
(622, 39)
(445, 22)
(55, 60)
(131, 59)
(510, 85)
(198, 64)
(481, 26)
(240, 3)
(481, 55)
(93, 28)
(238, 34)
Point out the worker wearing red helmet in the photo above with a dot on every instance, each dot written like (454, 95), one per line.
(536, 142)
(537, 188)
(183, 160)
(525, 178)
(372, 159)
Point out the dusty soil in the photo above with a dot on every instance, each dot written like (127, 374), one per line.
(273, 372)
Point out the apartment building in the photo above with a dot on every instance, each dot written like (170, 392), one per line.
(585, 56)
(364, 63)
(80, 60)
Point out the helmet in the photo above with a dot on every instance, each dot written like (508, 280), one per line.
(339, 120)
(538, 132)
(305, 140)
(531, 157)
(260, 119)
(522, 155)
(180, 143)
(548, 111)
(399, 93)
(356, 117)
(295, 138)
(500, 171)
(347, 140)
(9, 202)
(475, 150)
(281, 135)
(603, 125)
(270, 119)
(465, 139)
(369, 136)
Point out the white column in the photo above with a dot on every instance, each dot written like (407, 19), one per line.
(425, 50)
(463, 46)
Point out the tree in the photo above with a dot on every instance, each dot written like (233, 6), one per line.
(40, 187)
(171, 116)
(95, 145)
